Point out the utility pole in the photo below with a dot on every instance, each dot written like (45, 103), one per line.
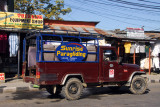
(10, 4)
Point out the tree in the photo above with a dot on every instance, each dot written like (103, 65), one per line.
(46, 7)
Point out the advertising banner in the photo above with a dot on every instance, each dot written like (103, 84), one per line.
(137, 33)
(21, 21)
(71, 52)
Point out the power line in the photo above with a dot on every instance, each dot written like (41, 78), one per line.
(136, 4)
(116, 5)
(119, 7)
(149, 1)
(99, 10)
(122, 15)
(104, 16)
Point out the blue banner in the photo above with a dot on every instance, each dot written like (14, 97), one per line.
(71, 52)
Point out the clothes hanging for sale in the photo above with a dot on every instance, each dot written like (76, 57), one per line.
(142, 47)
(147, 49)
(135, 48)
(3, 42)
(127, 46)
(13, 44)
(156, 62)
(155, 51)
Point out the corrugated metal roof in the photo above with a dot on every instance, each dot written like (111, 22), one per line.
(83, 30)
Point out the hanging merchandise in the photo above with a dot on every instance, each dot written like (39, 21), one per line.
(142, 47)
(127, 46)
(147, 49)
(3, 42)
(155, 51)
(13, 44)
(145, 63)
(156, 62)
(135, 48)
(158, 44)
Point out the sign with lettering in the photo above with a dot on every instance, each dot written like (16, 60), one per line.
(137, 33)
(19, 20)
(71, 52)
(2, 77)
(111, 73)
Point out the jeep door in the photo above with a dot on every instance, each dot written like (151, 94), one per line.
(112, 70)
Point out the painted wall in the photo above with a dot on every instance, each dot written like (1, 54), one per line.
(70, 23)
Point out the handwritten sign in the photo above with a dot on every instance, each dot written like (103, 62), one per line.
(19, 20)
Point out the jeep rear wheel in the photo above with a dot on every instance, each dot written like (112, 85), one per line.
(73, 89)
(138, 85)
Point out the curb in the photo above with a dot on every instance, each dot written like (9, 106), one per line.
(16, 89)
(154, 81)
(152, 78)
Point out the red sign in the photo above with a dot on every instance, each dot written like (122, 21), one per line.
(2, 76)
(111, 73)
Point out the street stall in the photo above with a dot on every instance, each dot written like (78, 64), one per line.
(13, 28)
(138, 47)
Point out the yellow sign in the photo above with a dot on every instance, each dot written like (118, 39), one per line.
(19, 20)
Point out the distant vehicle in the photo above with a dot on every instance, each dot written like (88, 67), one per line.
(67, 64)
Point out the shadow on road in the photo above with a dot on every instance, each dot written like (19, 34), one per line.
(89, 93)
(98, 93)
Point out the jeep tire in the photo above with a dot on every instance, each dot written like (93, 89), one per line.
(138, 85)
(73, 89)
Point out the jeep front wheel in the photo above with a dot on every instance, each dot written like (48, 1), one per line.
(138, 85)
(73, 89)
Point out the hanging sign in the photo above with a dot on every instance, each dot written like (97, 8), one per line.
(71, 52)
(135, 33)
(20, 20)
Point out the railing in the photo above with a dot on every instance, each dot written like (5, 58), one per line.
(39, 36)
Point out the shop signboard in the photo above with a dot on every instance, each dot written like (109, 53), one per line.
(20, 20)
(137, 33)
(71, 52)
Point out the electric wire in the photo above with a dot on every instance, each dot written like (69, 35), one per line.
(101, 12)
(136, 4)
(116, 5)
(104, 16)
(149, 1)
(122, 15)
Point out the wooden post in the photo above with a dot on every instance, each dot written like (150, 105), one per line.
(18, 56)
(134, 58)
(118, 48)
(149, 61)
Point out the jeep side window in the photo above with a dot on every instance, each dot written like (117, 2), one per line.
(109, 55)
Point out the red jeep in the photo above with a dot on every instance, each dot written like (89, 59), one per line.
(67, 64)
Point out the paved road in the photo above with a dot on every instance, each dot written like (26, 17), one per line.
(92, 97)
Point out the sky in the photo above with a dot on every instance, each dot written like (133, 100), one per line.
(116, 14)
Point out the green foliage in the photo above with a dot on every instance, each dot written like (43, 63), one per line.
(50, 10)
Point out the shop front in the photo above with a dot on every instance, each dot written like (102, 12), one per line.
(138, 47)
(13, 29)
